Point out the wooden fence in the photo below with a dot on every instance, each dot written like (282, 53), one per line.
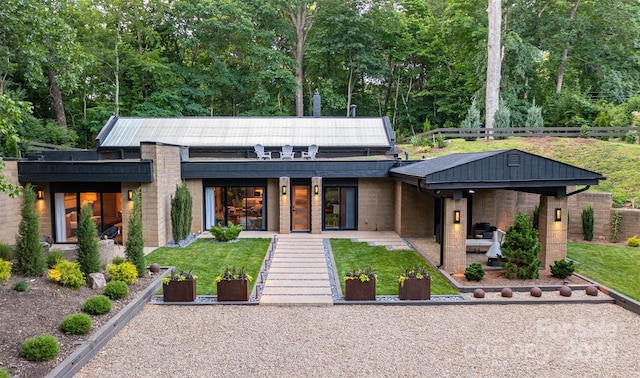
(573, 131)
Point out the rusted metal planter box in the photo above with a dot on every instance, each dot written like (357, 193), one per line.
(356, 290)
(179, 291)
(415, 289)
(233, 290)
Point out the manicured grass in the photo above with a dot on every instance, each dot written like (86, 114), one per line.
(206, 259)
(386, 264)
(615, 267)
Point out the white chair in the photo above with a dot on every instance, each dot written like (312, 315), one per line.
(310, 153)
(287, 152)
(259, 149)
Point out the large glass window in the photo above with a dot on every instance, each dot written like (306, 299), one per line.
(340, 208)
(237, 204)
(106, 208)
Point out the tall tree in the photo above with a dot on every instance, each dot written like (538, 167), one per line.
(494, 52)
(29, 250)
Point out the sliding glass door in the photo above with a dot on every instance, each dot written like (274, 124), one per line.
(340, 208)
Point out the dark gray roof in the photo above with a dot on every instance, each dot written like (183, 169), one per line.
(508, 169)
(242, 132)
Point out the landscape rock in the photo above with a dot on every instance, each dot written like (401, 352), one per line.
(96, 281)
(565, 291)
(506, 292)
(592, 290)
(478, 293)
(535, 292)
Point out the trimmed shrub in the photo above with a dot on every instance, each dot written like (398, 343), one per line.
(4, 373)
(126, 272)
(40, 348)
(21, 286)
(134, 247)
(29, 251)
(562, 268)
(53, 257)
(76, 324)
(5, 270)
(116, 290)
(587, 223)
(68, 274)
(6, 252)
(97, 305)
(88, 255)
(633, 241)
(474, 272)
(118, 260)
(181, 209)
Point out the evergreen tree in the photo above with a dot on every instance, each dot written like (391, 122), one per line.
(134, 247)
(472, 120)
(181, 209)
(29, 251)
(88, 255)
(521, 249)
(587, 223)
(534, 116)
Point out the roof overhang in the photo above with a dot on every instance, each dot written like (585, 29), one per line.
(451, 175)
(85, 171)
(293, 169)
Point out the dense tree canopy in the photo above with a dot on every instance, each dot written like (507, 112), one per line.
(74, 63)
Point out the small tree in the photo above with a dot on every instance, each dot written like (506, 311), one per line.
(181, 208)
(134, 247)
(88, 255)
(587, 223)
(29, 250)
(472, 120)
(534, 116)
(521, 249)
(501, 119)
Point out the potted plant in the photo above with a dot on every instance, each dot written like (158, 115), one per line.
(360, 285)
(414, 283)
(179, 287)
(233, 285)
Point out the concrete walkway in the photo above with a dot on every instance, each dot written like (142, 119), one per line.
(298, 274)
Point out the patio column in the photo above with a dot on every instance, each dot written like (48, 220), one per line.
(316, 205)
(285, 204)
(455, 235)
(552, 232)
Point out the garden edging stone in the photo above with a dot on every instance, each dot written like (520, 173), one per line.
(83, 353)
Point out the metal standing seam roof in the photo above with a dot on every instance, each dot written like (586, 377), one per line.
(245, 132)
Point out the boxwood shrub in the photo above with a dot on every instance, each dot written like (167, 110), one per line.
(40, 348)
(76, 324)
(116, 289)
(97, 305)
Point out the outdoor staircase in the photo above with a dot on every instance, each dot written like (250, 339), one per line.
(298, 274)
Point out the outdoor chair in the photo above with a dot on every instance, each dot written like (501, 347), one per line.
(310, 153)
(287, 152)
(111, 233)
(259, 149)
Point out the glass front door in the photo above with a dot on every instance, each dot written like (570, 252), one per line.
(301, 208)
(340, 208)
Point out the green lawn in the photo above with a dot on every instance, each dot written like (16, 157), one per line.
(615, 267)
(387, 264)
(206, 259)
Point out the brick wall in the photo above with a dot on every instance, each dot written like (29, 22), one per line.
(376, 204)
(416, 212)
(156, 196)
(10, 207)
(197, 215)
(273, 205)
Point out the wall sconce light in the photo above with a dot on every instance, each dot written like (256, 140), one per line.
(40, 194)
(558, 214)
(284, 190)
(316, 190)
(130, 195)
(456, 216)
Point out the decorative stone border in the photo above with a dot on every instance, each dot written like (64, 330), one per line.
(83, 353)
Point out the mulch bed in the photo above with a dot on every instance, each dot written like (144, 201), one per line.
(498, 278)
(39, 311)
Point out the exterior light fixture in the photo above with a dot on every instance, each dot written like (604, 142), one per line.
(558, 214)
(456, 216)
(40, 194)
(316, 190)
(284, 190)
(130, 195)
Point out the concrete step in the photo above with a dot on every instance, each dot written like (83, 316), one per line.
(296, 300)
(296, 290)
(296, 283)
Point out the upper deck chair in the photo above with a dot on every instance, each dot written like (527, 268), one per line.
(310, 153)
(287, 152)
(259, 149)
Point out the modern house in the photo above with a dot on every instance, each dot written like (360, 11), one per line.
(355, 181)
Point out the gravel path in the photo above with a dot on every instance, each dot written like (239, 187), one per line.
(578, 340)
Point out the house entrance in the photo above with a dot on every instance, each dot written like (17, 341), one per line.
(301, 208)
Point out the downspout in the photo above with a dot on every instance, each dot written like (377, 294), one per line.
(441, 222)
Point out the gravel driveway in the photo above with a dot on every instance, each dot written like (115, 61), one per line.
(581, 340)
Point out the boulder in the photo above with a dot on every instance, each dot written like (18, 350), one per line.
(535, 292)
(96, 281)
(565, 291)
(506, 292)
(478, 293)
(592, 291)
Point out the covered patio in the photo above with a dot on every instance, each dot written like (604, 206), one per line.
(468, 188)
